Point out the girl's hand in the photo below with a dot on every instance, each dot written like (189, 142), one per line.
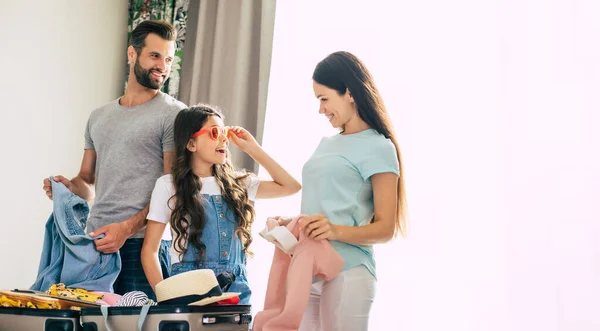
(242, 138)
(318, 227)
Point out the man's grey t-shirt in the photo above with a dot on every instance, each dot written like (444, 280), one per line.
(129, 144)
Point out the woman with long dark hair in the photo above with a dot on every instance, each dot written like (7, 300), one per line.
(353, 190)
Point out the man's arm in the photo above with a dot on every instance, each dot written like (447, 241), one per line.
(168, 158)
(83, 183)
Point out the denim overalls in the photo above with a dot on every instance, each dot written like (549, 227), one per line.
(224, 250)
(69, 255)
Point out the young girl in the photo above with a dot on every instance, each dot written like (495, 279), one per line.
(206, 203)
(353, 188)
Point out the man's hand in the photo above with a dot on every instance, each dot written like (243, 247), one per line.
(59, 179)
(114, 237)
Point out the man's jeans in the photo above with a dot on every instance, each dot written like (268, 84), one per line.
(132, 276)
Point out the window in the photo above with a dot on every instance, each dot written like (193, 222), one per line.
(495, 110)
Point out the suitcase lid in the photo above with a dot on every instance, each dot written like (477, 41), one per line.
(41, 297)
(68, 302)
(169, 309)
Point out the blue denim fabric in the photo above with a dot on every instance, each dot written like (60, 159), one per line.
(224, 250)
(69, 255)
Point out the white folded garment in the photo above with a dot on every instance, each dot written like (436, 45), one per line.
(281, 237)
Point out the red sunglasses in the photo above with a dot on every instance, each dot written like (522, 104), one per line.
(215, 132)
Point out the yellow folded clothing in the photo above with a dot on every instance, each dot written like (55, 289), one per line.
(60, 290)
(36, 304)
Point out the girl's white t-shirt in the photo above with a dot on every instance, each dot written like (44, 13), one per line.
(161, 207)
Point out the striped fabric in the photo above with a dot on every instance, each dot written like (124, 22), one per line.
(135, 299)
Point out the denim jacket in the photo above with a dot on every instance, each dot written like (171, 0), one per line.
(224, 250)
(69, 255)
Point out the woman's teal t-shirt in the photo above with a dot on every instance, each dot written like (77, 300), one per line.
(336, 182)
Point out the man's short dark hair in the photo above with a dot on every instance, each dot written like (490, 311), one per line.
(163, 29)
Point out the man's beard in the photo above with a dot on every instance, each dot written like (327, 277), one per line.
(144, 77)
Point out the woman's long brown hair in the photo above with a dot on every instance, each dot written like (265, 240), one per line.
(343, 71)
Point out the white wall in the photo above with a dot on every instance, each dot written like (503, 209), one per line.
(59, 60)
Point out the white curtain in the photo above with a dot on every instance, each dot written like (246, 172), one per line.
(496, 107)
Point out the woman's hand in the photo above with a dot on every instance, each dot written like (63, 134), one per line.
(282, 220)
(242, 138)
(318, 227)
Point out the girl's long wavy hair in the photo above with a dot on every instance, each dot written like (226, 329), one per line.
(187, 217)
(343, 71)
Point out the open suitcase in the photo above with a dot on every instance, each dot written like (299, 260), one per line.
(43, 319)
(168, 318)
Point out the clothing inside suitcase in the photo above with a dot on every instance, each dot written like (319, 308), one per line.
(169, 318)
(42, 297)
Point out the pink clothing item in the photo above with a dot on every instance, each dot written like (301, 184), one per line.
(108, 298)
(290, 280)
